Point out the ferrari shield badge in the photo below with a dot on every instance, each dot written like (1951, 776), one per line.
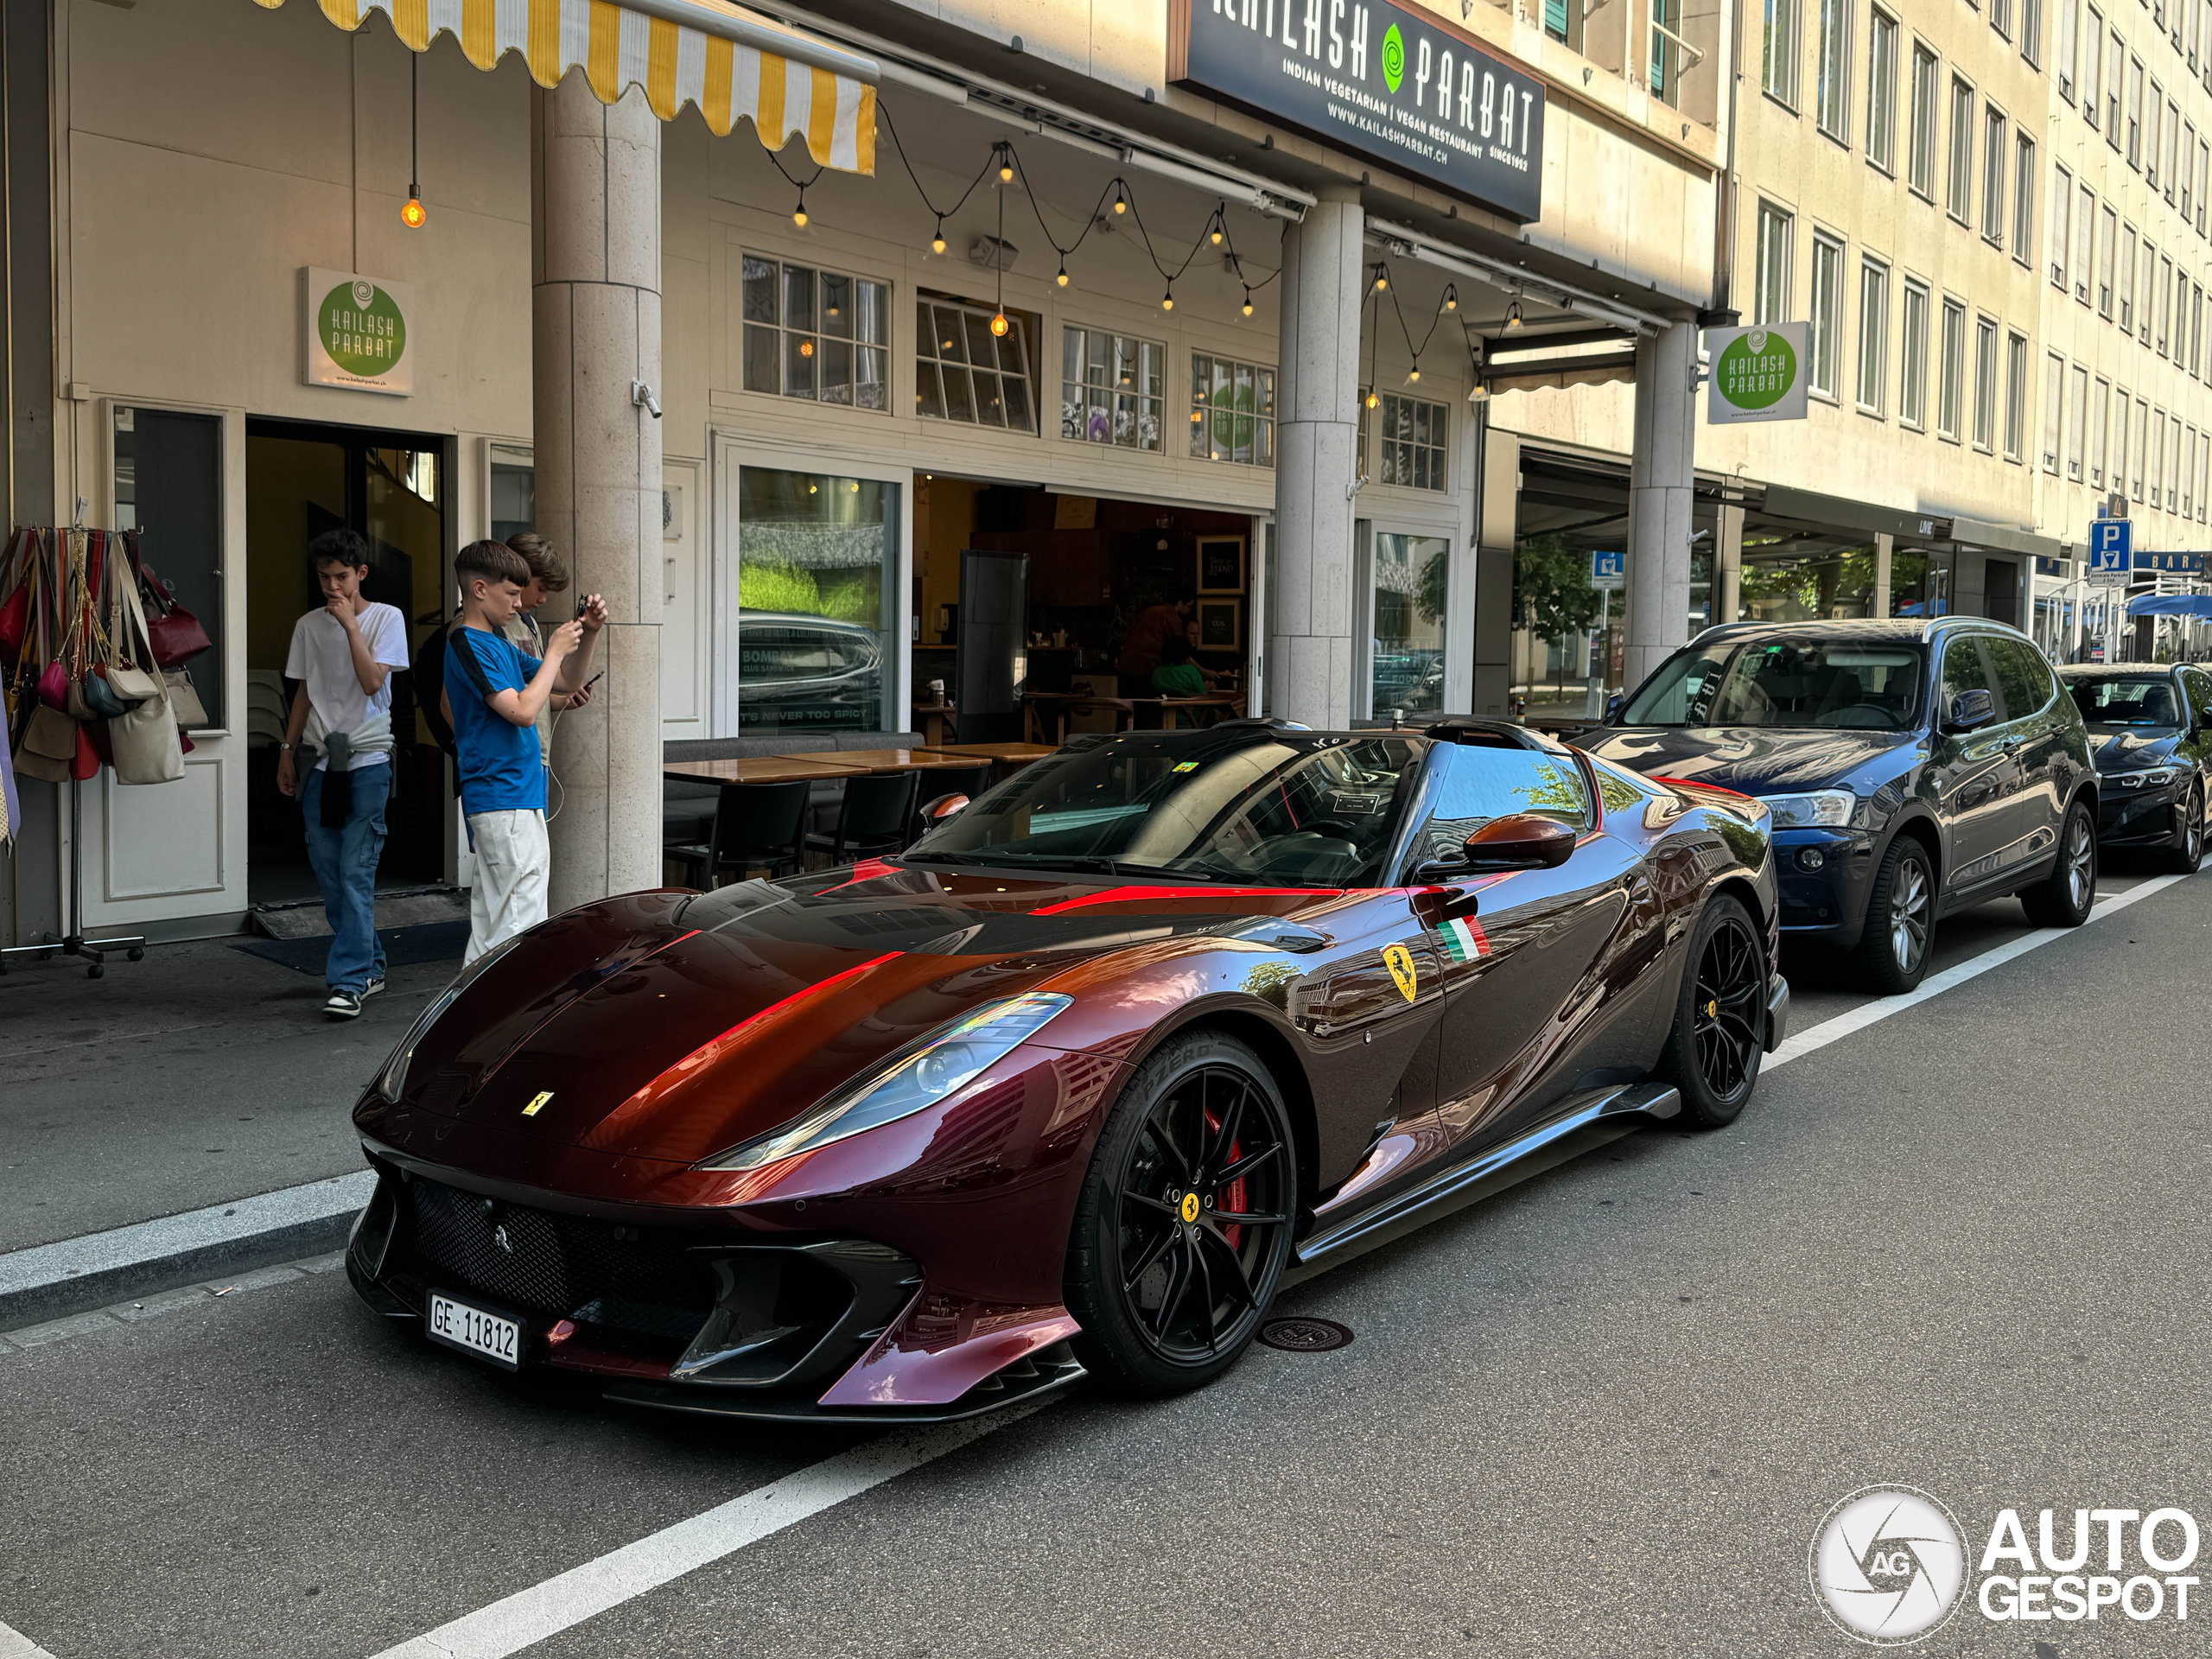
(538, 1102)
(1400, 962)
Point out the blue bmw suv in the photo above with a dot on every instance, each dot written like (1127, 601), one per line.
(1912, 769)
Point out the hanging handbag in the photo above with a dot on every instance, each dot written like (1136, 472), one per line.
(190, 713)
(144, 739)
(128, 682)
(99, 694)
(20, 570)
(87, 763)
(174, 632)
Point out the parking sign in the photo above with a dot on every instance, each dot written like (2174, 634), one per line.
(1608, 567)
(2111, 545)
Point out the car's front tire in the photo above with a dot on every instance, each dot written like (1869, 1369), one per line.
(1893, 955)
(1718, 1038)
(2064, 897)
(2187, 850)
(1183, 1227)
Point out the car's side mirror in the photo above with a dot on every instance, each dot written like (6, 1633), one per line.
(943, 808)
(1970, 711)
(1614, 704)
(1519, 841)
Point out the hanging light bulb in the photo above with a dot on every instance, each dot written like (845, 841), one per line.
(1451, 297)
(1382, 281)
(1006, 165)
(1167, 300)
(1062, 279)
(1214, 235)
(1248, 301)
(1412, 377)
(1513, 318)
(999, 324)
(1121, 199)
(937, 241)
(798, 213)
(412, 213)
(1372, 399)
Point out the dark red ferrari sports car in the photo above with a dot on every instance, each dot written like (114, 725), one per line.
(1067, 1087)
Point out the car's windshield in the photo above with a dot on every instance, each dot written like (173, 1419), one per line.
(2149, 701)
(1284, 808)
(1806, 682)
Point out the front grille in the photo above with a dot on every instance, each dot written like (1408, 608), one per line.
(560, 1266)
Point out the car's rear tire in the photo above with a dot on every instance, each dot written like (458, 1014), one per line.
(2187, 850)
(1719, 1035)
(1169, 1294)
(1893, 950)
(2063, 899)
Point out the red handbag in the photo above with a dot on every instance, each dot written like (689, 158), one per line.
(87, 763)
(174, 632)
(15, 623)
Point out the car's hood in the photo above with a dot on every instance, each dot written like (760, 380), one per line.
(1755, 760)
(669, 1026)
(2127, 748)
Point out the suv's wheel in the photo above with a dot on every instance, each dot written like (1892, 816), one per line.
(1893, 954)
(2187, 850)
(2063, 899)
(1182, 1226)
(1718, 1035)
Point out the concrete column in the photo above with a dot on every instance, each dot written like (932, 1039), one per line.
(596, 327)
(1661, 474)
(1728, 562)
(1310, 645)
(1460, 592)
(1885, 548)
(1498, 522)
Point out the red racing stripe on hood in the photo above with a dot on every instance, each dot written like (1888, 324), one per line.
(1139, 895)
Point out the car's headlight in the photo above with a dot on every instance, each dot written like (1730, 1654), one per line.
(917, 1076)
(2150, 779)
(391, 1082)
(1829, 809)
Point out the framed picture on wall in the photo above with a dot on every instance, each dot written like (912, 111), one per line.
(1221, 623)
(1221, 564)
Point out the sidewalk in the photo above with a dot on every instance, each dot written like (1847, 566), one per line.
(199, 1075)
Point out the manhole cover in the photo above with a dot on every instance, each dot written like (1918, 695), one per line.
(1303, 1335)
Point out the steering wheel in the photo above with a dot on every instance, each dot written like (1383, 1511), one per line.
(1889, 715)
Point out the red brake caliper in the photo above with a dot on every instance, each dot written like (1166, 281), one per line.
(1230, 1197)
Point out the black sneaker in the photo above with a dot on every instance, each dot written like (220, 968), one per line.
(344, 1005)
(372, 987)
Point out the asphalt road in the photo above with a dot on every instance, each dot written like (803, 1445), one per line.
(1602, 1413)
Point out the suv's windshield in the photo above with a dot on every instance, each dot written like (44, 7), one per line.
(1282, 808)
(2150, 701)
(1791, 683)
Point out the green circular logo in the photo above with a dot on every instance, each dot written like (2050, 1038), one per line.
(362, 329)
(1393, 58)
(1758, 370)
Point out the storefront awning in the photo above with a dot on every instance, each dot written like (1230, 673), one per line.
(2196, 606)
(701, 52)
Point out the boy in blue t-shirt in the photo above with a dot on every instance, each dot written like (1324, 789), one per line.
(495, 691)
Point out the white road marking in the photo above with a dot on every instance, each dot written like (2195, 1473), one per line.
(14, 1644)
(530, 1616)
(1872, 1013)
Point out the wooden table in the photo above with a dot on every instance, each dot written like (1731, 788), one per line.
(763, 769)
(852, 762)
(1014, 754)
(931, 715)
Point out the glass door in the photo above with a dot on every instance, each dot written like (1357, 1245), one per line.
(1408, 579)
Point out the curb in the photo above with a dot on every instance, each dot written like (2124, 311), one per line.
(75, 1275)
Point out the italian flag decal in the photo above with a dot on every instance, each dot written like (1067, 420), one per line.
(1464, 940)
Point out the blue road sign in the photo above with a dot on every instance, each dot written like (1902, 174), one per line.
(2111, 543)
(1608, 568)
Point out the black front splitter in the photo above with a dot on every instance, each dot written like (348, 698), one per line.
(662, 1396)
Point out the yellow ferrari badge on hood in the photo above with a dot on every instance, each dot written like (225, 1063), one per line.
(1400, 962)
(536, 1102)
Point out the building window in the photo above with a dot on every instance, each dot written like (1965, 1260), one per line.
(2203, 474)
(2173, 462)
(2062, 49)
(2120, 439)
(2165, 301)
(2173, 139)
(1951, 371)
(2062, 199)
(2142, 442)
(2077, 431)
(2024, 199)
(1771, 283)
(2108, 246)
(2186, 162)
(2145, 311)
(2115, 72)
(2085, 231)
(819, 598)
(2196, 326)
(1111, 389)
(1958, 195)
(2054, 393)
(1912, 358)
(2135, 113)
(2127, 279)
(817, 334)
(964, 373)
(2000, 17)
(1992, 175)
(2100, 417)
(1985, 384)
(1826, 315)
(2093, 44)
(2016, 396)
(1882, 90)
(1778, 70)
(1873, 335)
(1832, 88)
(2150, 147)
(2187, 472)
(1920, 154)
(1232, 411)
(1413, 442)
(2203, 180)
(2031, 32)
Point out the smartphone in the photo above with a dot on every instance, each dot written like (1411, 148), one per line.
(595, 680)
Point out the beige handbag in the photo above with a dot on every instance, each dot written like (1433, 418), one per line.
(143, 738)
(190, 713)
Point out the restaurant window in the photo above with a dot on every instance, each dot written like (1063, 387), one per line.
(1406, 670)
(1112, 388)
(1882, 90)
(817, 334)
(1873, 334)
(2054, 394)
(964, 373)
(1912, 358)
(1832, 89)
(1993, 126)
(1826, 315)
(1770, 281)
(1778, 64)
(1232, 411)
(2077, 431)
(1920, 140)
(2100, 419)
(1951, 372)
(168, 487)
(815, 630)
(1413, 442)
(1985, 383)
(1958, 199)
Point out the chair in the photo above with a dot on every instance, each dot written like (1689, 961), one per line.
(970, 781)
(756, 827)
(877, 817)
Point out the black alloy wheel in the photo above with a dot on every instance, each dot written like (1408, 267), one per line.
(1893, 954)
(2187, 850)
(1719, 1031)
(2063, 899)
(1183, 1227)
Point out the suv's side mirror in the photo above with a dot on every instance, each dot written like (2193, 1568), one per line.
(1970, 711)
(1519, 841)
(1614, 704)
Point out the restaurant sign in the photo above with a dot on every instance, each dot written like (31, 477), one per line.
(1378, 79)
(354, 332)
(1758, 374)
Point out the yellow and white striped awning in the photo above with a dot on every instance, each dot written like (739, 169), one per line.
(680, 51)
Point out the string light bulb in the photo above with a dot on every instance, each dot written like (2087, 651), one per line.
(1006, 166)
(1062, 279)
(1248, 301)
(1451, 297)
(1121, 201)
(1214, 234)
(412, 213)
(1513, 318)
(937, 241)
(999, 324)
(1381, 282)
(1412, 377)
(798, 213)
(1372, 399)
(1167, 300)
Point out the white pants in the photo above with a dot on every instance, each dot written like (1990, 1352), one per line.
(512, 857)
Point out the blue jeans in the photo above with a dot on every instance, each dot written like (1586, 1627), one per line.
(346, 869)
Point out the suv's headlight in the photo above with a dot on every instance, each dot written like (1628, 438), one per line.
(391, 1082)
(919, 1075)
(2150, 779)
(1829, 809)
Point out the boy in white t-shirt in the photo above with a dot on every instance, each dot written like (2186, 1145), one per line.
(342, 656)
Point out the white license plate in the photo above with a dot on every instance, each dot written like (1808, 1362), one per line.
(475, 1332)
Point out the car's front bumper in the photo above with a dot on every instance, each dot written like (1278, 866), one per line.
(2140, 817)
(1827, 904)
